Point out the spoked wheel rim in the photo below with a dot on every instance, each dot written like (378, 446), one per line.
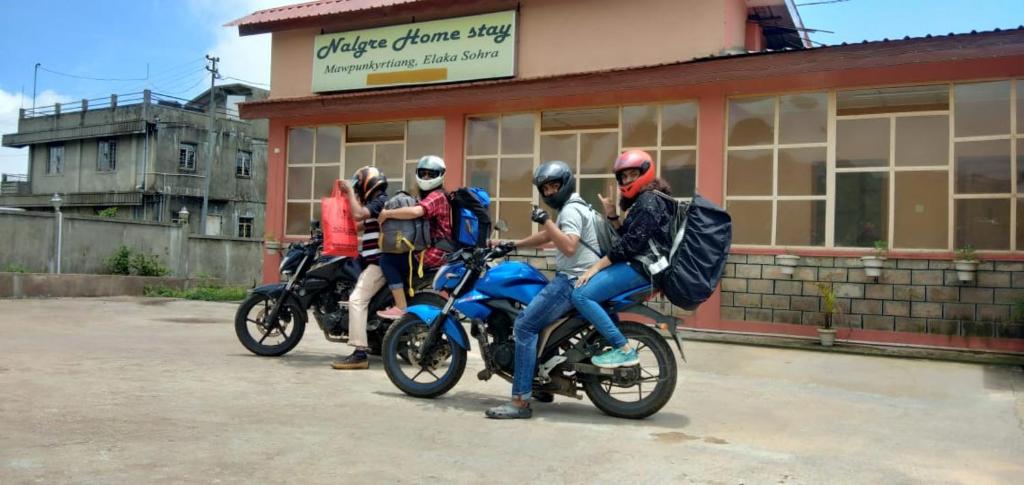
(260, 329)
(646, 387)
(644, 377)
(442, 369)
(438, 363)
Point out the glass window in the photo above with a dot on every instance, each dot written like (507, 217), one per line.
(482, 136)
(922, 141)
(297, 215)
(922, 210)
(389, 158)
(749, 172)
(186, 157)
(483, 173)
(409, 182)
(328, 145)
(862, 143)
(299, 180)
(580, 119)
(390, 131)
(356, 157)
(517, 134)
(892, 100)
(802, 171)
(1020, 107)
(803, 118)
(300, 146)
(243, 164)
(55, 162)
(800, 223)
(516, 177)
(323, 181)
(589, 188)
(862, 208)
(751, 122)
(107, 159)
(983, 223)
(982, 167)
(982, 108)
(679, 124)
(679, 169)
(598, 152)
(517, 215)
(425, 137)
(558, 147)
(1020, 226)
(751, 221)
(639, 126)
(1020, 168)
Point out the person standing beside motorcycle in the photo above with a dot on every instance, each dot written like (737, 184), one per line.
(367, 195)
(434, 206)
(621, 270)
(575, 237)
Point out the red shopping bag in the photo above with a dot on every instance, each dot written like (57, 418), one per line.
(340, 238)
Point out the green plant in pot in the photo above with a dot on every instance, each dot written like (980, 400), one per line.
(826, 333)
(966, 263)
(873, 262)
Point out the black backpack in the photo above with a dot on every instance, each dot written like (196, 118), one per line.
(471, 220)
(687, 273)
(606, 235)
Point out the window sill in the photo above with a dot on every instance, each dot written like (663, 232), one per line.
(927, 254)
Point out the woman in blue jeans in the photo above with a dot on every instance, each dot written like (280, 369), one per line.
(648, 216)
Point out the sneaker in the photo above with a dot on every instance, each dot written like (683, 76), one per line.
(393, 313)
(357, 360)
(616, 358)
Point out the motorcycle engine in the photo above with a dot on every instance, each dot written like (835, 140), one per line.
(503, 348)
(332, 317)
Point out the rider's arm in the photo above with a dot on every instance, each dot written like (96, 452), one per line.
(565, 243)
(541, 237)
(359, 212)
(404, 213)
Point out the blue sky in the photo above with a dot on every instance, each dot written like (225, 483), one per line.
(117, 38)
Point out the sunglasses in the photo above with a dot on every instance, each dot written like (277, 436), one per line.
(427, 174)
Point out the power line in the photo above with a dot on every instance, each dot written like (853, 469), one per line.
(246, 81)
(89, 78)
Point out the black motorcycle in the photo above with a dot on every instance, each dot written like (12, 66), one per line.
(272, 319)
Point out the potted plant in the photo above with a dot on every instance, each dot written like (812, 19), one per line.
(826, 333)
(787, 261)
(873, 262)
(966, 263)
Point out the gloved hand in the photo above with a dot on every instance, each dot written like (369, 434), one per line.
(507, 246)
(540, 216)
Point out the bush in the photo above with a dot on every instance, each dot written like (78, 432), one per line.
(15, 268)
(124, 261)
(108, 212)
(207, 292)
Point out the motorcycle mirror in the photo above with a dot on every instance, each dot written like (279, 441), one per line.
(314, 225)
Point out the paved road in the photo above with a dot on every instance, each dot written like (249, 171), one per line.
(132, 390)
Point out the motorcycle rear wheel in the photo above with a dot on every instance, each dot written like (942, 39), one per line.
(603, 391)
(447, 364)
(251, 317)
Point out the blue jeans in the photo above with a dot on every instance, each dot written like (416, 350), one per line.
(607, 283)
(551, 303)
(396, 268)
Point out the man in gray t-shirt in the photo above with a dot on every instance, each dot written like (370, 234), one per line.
(575, 238)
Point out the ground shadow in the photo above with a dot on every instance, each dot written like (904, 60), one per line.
(563, 410)
(1003, 377)
(311, 359)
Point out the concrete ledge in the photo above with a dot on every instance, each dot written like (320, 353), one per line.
(39, 285)
(851, 347)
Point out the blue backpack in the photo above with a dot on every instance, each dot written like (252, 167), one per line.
(471, 220)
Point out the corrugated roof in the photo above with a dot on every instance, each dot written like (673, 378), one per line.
(312, 9)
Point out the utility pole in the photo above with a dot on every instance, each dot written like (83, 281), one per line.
(35, 74)
(214, 74)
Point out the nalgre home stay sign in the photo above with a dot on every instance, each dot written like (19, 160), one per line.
(439, 51)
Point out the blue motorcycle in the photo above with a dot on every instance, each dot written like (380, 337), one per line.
(425, 351)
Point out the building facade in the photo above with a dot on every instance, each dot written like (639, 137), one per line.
(143, 157)
(914, 145)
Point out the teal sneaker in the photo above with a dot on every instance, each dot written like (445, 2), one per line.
(616, 358)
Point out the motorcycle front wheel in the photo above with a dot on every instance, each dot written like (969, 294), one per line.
(442, 369)
(262, 337)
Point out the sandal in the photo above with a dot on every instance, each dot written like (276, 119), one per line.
(509, 411)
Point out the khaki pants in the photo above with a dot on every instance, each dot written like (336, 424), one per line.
(370, 281)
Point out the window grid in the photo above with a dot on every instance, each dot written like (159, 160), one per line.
(55, 160)
(245, 227)
(499, 157)
(187, 157)
(106, 159)
(243, 164)
(659, 118)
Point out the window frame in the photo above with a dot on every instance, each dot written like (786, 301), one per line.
(189, 166)
(243, 222)
(111, 145)
(243, 164)
(55, 167)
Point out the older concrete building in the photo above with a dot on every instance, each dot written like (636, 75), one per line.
(145, 155)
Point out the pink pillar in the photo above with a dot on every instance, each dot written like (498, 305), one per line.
(277, 141)
(711, 183)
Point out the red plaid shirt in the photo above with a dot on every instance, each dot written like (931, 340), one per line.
(439, 213)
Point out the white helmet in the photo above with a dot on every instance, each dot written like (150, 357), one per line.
(434, 164)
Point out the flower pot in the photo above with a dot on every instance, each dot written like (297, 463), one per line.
(873, 265)
(787, 262)
(965, 269)
(827, 336)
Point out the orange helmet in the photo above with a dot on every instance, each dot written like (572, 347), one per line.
(639, 160)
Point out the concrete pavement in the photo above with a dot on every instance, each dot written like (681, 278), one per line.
(118, 390)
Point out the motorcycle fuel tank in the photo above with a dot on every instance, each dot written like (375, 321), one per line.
(512, 280)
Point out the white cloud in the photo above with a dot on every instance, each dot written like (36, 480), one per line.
(15, 160)
(240, 57)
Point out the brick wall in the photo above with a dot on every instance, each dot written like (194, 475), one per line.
(911, 295)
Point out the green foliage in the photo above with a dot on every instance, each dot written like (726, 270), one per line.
(966, 253)
(108, 212)
(881, 247)
(124, 261)
(205, 292)
(828, 301)
(15, 268)
(1018, 310)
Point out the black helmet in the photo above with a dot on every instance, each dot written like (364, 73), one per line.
(367, 181)
(555, 171)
